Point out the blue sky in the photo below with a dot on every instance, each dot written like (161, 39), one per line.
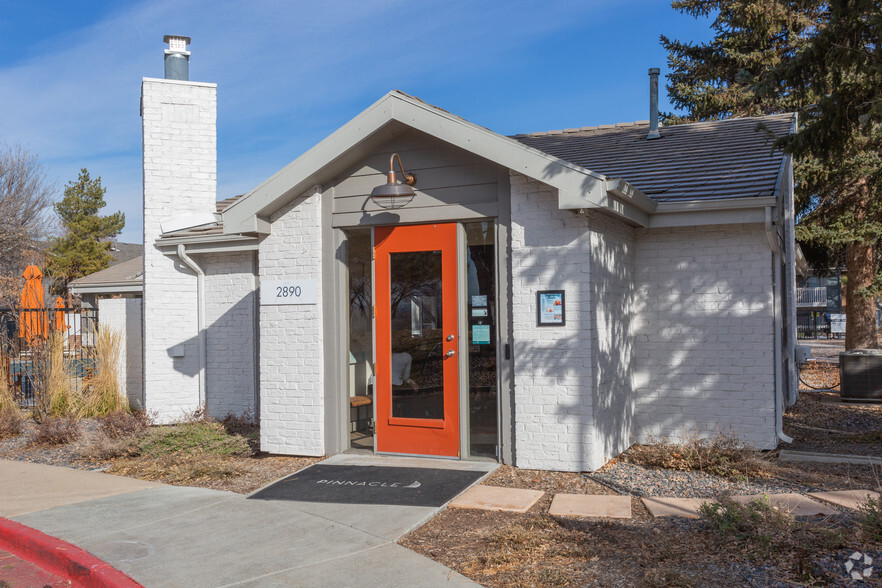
(290, 72)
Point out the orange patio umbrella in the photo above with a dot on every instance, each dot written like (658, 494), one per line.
(32, 318)
(60, 324)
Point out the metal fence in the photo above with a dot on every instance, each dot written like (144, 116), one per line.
(812, 325)
(28, 337)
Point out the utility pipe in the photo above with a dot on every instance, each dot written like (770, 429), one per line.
(776, 291)
(200, 316)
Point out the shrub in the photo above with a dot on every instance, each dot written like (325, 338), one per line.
(120, 424)
(11, 422)
(57, 431)
(870, 517)
(205, 437)
(763, 530)
(724, 455)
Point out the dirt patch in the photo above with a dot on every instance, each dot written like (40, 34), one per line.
(820, 421)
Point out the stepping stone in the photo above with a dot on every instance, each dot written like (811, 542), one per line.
(794, 504)
(852, 499)
(591, 505)
(674, 507)
(496, 498)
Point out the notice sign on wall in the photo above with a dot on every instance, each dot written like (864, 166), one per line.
(288, 292)
(837, 324)
(550, 308)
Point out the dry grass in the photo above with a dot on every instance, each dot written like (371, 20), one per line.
(724, 455)
(101, 390)
(60, 399)
(870, 518)
(11, 419)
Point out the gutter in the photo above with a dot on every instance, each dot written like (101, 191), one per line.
(200, 316)
(776, 280)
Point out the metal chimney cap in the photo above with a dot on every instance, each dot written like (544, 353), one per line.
(652, 70)
(177, 44)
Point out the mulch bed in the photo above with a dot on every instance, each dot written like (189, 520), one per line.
(232, 473)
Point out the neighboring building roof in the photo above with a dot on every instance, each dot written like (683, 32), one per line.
(127, 276)
(215, 228)
(706, 160)
(223, 204)
(122, 252)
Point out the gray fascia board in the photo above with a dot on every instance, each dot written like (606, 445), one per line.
(232, 240)
(108, 288)
(295, 178)
(299, 175)
(723, 211)
(708, 217)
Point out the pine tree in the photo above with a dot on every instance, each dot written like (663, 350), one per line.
(84, 247)
(839, 72)
(763, 59)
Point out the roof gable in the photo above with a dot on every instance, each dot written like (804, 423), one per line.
(578, 187)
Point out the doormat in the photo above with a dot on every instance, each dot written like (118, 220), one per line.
(371, 485)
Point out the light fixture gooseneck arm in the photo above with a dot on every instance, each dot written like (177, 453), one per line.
(409, 179)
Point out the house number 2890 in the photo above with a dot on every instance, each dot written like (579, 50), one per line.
(287, 291)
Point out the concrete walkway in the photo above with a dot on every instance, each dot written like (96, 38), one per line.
(177, 536)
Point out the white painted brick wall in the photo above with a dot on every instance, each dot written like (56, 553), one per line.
(124, 316)
(556, 369)
(229, 320)
(704, 333)
(612, 294)
(180, 175)
(291, 378)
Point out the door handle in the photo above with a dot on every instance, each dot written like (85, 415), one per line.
(451, 353)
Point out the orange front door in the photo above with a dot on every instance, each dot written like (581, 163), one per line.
(417, 373)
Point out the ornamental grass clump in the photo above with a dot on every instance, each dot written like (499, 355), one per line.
(101, 391)
(11, 419)
(870, 518)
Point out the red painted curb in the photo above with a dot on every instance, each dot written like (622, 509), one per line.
(60, 557)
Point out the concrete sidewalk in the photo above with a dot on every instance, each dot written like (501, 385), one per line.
(178, 536)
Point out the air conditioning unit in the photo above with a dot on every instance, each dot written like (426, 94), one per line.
(860, 375)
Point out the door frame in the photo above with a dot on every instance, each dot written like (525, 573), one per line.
(335, 307)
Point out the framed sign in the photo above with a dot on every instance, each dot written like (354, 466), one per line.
(550, 308)
(288, 292)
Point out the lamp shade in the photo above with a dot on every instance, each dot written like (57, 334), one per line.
(392, 195)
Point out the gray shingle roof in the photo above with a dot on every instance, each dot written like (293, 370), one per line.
(708, 160)
(127, 271)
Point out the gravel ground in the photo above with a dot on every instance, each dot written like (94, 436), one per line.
(22, 448)
(630, 478)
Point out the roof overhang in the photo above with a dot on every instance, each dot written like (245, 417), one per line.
(129, 286)
(578, 188)
(209, 244)
(711, 212)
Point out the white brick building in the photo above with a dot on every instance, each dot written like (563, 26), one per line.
(545, 299)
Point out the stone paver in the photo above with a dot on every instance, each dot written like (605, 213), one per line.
(495, 498)
(674, 507)
(591, 505)
(852, 499)
(796, 505)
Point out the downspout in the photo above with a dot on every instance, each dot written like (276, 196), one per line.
(200, 316)
(776, 277)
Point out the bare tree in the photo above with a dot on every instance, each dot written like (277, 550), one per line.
(25, 220)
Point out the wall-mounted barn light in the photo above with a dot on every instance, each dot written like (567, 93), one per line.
(394, 194)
